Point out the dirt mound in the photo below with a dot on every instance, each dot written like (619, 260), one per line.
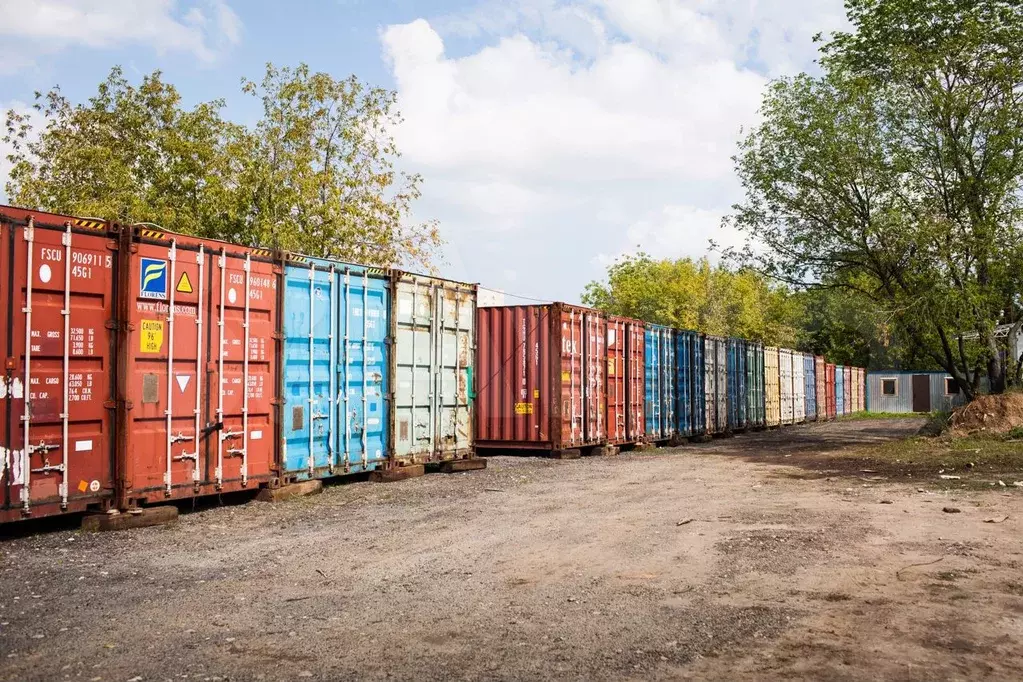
(989, 414)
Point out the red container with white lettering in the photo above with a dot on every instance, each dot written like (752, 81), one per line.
(200, 366)
(57, 392)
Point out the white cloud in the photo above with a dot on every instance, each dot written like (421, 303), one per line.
(578, 130)
(203, 28)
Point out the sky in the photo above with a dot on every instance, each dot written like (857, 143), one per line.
(553, 136)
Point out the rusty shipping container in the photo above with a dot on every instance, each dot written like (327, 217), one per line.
(625, 380)
(542, 378)
(57, 396)
(830, 388)
(820, 378)
(772, 386)
(200, 367)
(433, 325)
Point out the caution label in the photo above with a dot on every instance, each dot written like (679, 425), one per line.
(610, 366)
(184, 284)
(566, 377)
(151, 336)
(523, 408)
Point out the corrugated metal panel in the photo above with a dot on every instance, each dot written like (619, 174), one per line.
(772, 391)
(738, 390)
(786, 385)
(854, 390)
(840, 390)
(863, 389)
(798, 388)
(690, 414)
(878, 401)
(755, 383)
(849, 407)
(626, 377)
(336, 361)
(542, 377)
(433, 325)
(820, 388)
(810, 393)
(659, 400)
(830, 389)
(57, 294)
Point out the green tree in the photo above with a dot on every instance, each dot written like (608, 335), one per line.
(316, 174)
(692, 294)
(897, 175)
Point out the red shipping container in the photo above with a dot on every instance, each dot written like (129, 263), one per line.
(830, 388)
(625, 380)
(541, 377)
(200, 367)
(56, 397)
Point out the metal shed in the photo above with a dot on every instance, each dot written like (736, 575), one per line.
(897, 391)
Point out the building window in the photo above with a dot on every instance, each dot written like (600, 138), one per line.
(951, 387)
(889, 387)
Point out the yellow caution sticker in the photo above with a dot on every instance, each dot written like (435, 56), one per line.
(610, 366)
(523, 408)
(566, 377)
(83, 486)
(184, 284)
(536, 392)
(151, 336)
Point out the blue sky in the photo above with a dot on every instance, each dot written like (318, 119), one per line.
(553, 135)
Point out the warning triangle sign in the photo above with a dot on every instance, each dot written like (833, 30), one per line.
(182, 380)
(184, 284)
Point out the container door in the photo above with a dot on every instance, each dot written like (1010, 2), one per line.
(699, 390)
(683, 382)
(243, 363)
(637, 380)
(710, 386)
(57, 300)
(309, 326)
(617, 408)
(434, 331)
(596, 377)
(722, 384)
(653, 376)
(583, 363)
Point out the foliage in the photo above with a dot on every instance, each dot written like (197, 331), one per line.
(692, 294)
(315, 174)
(897, 175)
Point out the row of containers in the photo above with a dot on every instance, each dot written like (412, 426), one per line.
(560, 377)
(143, 366)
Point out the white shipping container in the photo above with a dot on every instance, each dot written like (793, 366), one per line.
(798, 388)
(785, 385)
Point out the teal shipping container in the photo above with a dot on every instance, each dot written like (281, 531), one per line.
(690, 405)
(433, 324)
(660, 395)
(335, 327)
(755, 398)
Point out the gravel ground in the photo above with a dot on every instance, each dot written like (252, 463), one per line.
(712, 561)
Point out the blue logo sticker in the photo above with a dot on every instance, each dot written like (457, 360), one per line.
(153, 278)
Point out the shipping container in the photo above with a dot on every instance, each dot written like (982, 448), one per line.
(541, 378)
(839, 390)
(830, 389)
(690, 405)
(849, 407)
(854, 390)
(798, 388)
(58, 394)
(908, 392)
(772, 387)
(660, 396)
(738, 393)
(863, 389)
(755, 384)
(433, 325)
(785, 382)
(200, 367)
(335, 325)
(716, 383)
(626, 380)
(820, 390)
(810, 391)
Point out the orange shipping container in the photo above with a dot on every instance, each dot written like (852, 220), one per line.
(625, 387)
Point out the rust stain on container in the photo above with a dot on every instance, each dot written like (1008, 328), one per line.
(57, 294)
(552, 357)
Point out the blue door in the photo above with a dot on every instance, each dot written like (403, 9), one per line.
(839, 390)
(336, 322)
(660, 382)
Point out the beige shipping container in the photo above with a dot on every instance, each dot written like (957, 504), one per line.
(772, 397)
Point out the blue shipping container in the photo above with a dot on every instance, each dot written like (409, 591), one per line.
(839, 390)
(336, 319)
(738, 419)
(690, 415)
(660, 382)
(810, 381)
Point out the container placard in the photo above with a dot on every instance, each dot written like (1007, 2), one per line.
(151, 336)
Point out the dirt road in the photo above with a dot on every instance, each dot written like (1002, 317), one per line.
(538, 569)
